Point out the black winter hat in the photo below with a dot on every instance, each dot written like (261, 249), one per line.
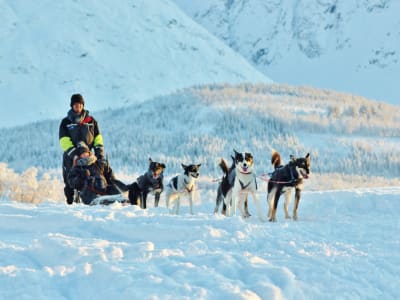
(77, 98)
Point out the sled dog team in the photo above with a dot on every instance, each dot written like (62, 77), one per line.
(237, 183)
(88, 176)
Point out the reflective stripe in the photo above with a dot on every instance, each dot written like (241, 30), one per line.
(66, 143)
(98, 140)
(70, 151)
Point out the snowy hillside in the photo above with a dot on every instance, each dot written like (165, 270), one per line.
(114, 55)
(344, 246)
(345, 45)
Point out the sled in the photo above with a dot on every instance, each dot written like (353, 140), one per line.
(109, 199)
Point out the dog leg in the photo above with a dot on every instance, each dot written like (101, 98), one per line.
(257, 204)
(167, 198)
(228, 207)
(191, 197)
(234, 205)
(246, 207)
(228, 203)
(296, 203)
(273, 198)
(133, 194)
(235, 198)
(143, 202)
(276, 200)
(223, 211)
(156, 199)
(177, 205)
(174, 204)
(218, 200)
(288, 196)
(240, 205)
(270, 200)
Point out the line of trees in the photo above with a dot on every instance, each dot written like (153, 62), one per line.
(204, 123)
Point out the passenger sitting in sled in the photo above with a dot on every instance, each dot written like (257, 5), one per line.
(91, 176)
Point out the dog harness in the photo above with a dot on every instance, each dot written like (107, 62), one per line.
(244, 186)
(186, 186)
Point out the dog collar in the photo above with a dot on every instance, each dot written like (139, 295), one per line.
(245, 173)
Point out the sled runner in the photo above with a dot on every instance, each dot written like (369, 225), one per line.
(109, 199)
(102, 200)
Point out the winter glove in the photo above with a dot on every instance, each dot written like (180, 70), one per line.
(97, 184)
(102, 163)
(100, 184)
(99, 152)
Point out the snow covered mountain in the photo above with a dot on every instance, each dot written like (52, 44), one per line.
(114, 54)
(345, 45)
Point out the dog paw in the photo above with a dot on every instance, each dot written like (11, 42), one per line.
(288, 217)
(246, 215)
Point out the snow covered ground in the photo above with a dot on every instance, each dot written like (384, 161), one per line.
(344, 246)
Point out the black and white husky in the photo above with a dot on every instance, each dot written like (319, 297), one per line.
(225, 187)
(283, 180)
(180, 186)
(239, 181)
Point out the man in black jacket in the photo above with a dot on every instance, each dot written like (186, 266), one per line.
(78, 126)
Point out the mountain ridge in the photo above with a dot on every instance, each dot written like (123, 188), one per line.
(349, 46)
(114, 55)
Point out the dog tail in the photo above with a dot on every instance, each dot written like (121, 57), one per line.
(276, 160)
(224, 166)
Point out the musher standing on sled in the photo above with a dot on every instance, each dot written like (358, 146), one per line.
(78, 126)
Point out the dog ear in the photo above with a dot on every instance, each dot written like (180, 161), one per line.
(248, 155)
(308, 155)
(199, 165)
(292, 157)
(163, 166)
(150, 160)
(184, 166)
(236, 153)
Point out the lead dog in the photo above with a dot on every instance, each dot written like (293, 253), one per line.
(244, 183)
(182, 185)
(283, 180)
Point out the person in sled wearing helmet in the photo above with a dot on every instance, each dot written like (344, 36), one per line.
(78, 126)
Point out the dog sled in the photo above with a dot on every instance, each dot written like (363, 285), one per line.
(102, 200)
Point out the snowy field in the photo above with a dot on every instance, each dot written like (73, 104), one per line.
(344, 246)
